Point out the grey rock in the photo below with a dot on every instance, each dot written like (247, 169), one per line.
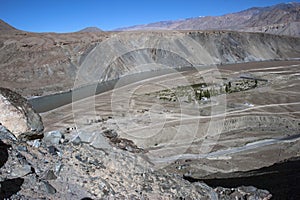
(115, 175)
(105, 187)
(53, 150)
(86, 137)
(49, 175)
(17, 114)
(247, 189)
(99, 142)
(76, 140)
(243, 192)
(202, 188)
(22, 148)
(53, 137)
(20, 170)
(6, 134)
(48, 187)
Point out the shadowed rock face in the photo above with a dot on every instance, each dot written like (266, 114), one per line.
(284, 176)
(3, 153)
(10, 187)
(17, 115)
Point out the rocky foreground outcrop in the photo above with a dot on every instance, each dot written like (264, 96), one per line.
(17, 115)
(66, 164)
(69, 169)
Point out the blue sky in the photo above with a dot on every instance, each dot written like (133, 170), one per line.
(73, 15)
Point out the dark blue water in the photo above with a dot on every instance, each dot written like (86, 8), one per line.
(50, 102)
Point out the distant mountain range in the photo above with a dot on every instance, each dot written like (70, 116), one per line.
(91, 29)
(282, 19)
(6, 27)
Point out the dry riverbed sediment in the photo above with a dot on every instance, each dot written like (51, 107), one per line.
(250, 126)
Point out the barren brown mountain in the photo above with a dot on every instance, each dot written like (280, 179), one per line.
(282, 19)
(5, 27)
(43, 63)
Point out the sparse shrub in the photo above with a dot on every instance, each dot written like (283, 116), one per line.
(226, 89)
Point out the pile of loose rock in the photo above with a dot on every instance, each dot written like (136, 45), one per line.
(86, 165)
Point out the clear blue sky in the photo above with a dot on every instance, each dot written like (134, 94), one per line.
(73, 15)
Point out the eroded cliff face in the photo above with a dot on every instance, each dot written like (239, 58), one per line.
(231, 47)
(38, 64)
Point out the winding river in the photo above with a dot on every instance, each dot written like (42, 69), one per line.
(50, 102)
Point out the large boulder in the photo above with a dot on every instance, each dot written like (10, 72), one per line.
(17, 115)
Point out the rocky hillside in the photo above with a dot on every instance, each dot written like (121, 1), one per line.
(46, 61)
(280, 19)
(5, 27)
(36, 64)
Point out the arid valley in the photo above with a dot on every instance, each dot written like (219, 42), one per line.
(177, 110)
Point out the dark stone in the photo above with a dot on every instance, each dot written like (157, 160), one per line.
(53, 150)
(110, 134)
(49, 188)
(3, 153)
(30, 136)
(10, 187)
(49, 175)
(78, 157)
(126, 145)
